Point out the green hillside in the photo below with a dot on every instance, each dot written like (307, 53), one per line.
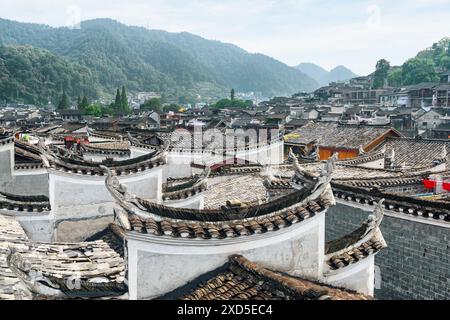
(152, 60)
(32, 75)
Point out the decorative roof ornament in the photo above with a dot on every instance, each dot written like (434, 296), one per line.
(374, 220)
(403, 166)
(35, 281)
(327, 171)
(361, 150)
(121, 218)
(118, 191)
(295, 163)
(90, 130)
(268, 173)
(330, 165)
(383, 149)
(132, 139)
(443, 155)
(368, 232)
(392, 155)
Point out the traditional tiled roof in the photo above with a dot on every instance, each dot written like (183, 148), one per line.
(108, 148)
(364, 158)
(241, 279)
(348, 172)
(59, 270)
(89, 269)
(386, 182)
(228, 229)
(122, 167)
(229, 169)
(106, 135)
(11, 234)
(229, 221)
(434, 209)
(186, 141)
(331, 134)
(24, 203)
(354, 255)
(6, 138)
(195, 185)
(359, 244)
(228, 213)
(247, 188)
(26, 156)
(416, 152)
(114, 236)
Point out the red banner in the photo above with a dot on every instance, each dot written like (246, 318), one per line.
(446, 186)
(429, 184)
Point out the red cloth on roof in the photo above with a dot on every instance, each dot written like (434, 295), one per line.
(429, 184)
(446, 186)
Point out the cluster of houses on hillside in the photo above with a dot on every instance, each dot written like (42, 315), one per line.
(420, 110)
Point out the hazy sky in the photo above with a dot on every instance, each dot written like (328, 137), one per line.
(355, 33)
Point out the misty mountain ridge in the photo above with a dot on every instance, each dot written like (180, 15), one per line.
(324, 77)
(112, 54)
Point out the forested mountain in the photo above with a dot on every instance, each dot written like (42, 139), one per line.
(153, 60)
(324, 77)
(33, 75)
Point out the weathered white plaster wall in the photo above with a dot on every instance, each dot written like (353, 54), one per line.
(137, 152)
(37, 225)
(6, 165)
(194, 202)
(359, 277)
(76, 198)
(30, 182)
(97, 157)
(376, 164)
(158, 265)
(179, 162)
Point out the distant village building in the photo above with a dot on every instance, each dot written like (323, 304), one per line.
(348, 141)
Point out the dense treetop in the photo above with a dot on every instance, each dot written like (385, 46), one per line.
(425, 67)
(32, 75)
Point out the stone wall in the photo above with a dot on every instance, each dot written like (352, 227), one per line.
(416, 264)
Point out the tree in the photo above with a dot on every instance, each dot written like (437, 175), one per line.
(172, 107)
(381, 73)
(395, 78)
(153, 104)
(118, 101)
(64, 102)
(233, 104)
(79, 102)
(445, 62)
(124, 100)
(232, 95)
(94, 110)
(418, 70)
(84, 103)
